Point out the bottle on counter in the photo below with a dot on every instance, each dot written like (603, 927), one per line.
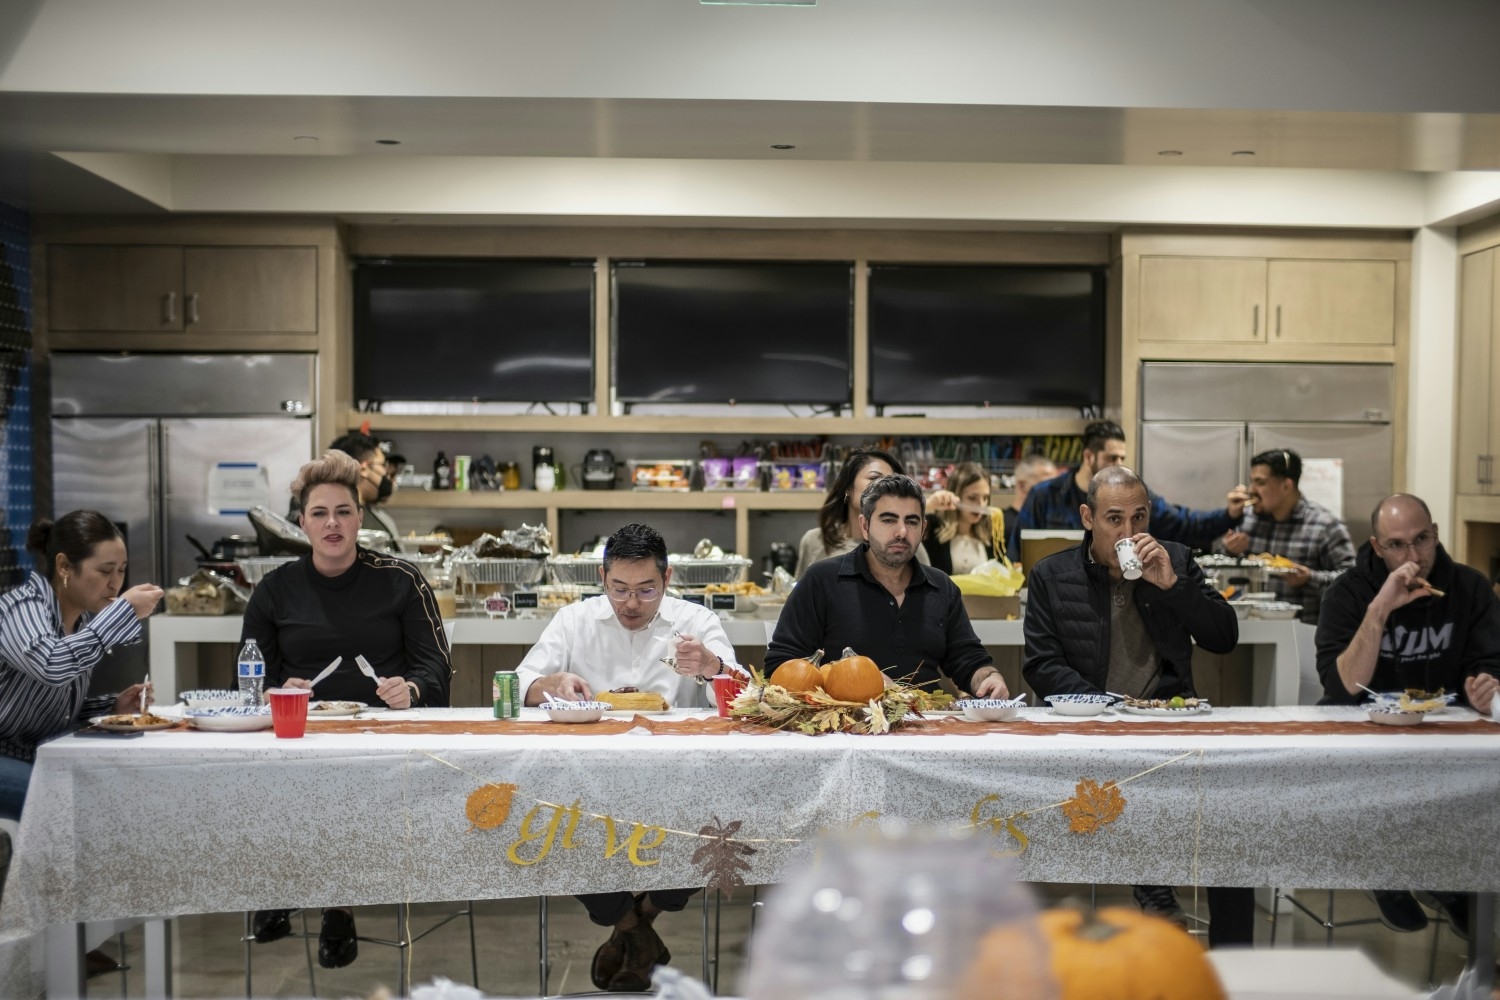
(442, 473)
(252, 673)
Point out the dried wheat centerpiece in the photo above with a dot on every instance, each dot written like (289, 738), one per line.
(848, 695)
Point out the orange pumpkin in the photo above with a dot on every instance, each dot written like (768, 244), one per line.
(799, 675)
(1116, 954)
(853, 678)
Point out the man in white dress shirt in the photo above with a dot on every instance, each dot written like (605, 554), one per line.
(633, 635)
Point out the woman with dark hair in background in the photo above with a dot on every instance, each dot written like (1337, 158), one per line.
(838, 519)
(54, 629)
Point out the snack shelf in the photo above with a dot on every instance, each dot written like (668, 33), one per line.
(739, 426)
(412, 499)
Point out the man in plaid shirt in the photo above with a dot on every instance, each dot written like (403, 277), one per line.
(1285, 523)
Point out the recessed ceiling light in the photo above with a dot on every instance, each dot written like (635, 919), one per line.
(1243, 152)
(304, 138)
(389, 142)
(1170, 152)
(782, 145)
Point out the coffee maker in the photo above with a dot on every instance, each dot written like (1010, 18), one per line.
(599, 469)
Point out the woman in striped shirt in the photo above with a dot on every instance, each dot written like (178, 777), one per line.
(54, 629)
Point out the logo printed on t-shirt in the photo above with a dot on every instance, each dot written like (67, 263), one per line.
(1416, 644)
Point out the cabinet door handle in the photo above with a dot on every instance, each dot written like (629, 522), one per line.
(192, 308)
(1255, 321)
(169, 307)
(1278, 321)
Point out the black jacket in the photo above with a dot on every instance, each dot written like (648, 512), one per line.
(1431, 643)
(940, 554)
(1067, 623)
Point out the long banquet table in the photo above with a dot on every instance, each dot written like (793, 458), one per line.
(376, 810)
(1275, 665)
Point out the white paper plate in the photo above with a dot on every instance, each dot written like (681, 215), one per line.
(626, 712)
(1202, 708)
(116, 728)
(230, 722)
(335, 709)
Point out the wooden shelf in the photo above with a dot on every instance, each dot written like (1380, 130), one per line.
(832, 426)
(600, 500)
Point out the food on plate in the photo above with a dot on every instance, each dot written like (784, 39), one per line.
(630, 699)
(1276, 562)
(745, 588)
(139, 721)
(800, 674)
(335, 706)
(1178, 702)
(1415, 700)
(201, 598)
(853, 678)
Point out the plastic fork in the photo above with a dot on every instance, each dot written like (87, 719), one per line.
(365, 668)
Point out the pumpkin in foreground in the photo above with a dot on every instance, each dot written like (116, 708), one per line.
(1115, 954)
(800, 674)
(853, 678)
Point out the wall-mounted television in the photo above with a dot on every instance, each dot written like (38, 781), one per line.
(743, 332)
(987, 335)
(474, 329)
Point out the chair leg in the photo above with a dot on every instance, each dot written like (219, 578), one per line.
(541, 950)
(705, 935)
(403, 954)
(718, 928)
(249, 940)
(312, 982)
(120, 943)
(1275, 913)
(473, 947)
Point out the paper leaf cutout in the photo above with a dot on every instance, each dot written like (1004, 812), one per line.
(489, 806)
(722, 859)
(1093, 806)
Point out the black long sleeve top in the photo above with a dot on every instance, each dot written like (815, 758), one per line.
(839, 603)
(380, 607)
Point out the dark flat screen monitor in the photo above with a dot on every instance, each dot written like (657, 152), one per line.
(998, 336)
(488, 330)
(733, 332)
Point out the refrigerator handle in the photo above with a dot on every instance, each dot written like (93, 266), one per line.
(169, 307)
(1255, 321)
(158, 509)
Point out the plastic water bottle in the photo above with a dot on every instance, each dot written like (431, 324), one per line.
(252, 671)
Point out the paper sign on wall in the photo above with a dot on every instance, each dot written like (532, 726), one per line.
(1323, 482)
(235, 487)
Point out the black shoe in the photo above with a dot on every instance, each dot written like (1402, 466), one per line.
(96, 963)
(336, 944)
(1454, 906)
(643, 952)
(1398, 910)
(1160, 901)
(271, 925)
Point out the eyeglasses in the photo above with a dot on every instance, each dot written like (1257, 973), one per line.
(643, 594)
(1423, 541)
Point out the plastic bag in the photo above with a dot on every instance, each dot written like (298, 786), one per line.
(991, 579)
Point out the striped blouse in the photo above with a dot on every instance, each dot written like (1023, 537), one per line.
(44, 674)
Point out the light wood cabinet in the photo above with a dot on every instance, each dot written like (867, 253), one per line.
(1246, 300)
(1217, 299)
(191, 291)
(1332, 301)
(1477, 434)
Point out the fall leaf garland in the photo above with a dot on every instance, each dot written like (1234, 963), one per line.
(1093, 805)
(722, 859)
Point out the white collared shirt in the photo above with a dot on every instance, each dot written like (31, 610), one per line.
(588, 640)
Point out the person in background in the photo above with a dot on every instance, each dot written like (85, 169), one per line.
(960, 522)
(55, 628)
(342, 600)
(376, 481)
(878, 599)
(838, 519)
(1030, 470)
(1056, 502)
(1407, 616)
(1286, 523)
(632, 635)
(1091, 631)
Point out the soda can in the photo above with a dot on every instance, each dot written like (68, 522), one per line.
(461, 471)
(507, 694)
(1130, 563)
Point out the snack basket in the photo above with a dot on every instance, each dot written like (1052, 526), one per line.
(701, 572)
(577, 570)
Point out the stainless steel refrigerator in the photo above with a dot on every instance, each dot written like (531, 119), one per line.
(1201, 424)
(178, 445)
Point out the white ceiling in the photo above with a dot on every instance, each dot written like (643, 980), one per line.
(181, 86)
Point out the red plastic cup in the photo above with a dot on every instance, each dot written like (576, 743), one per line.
(289, 711)
(727, 687)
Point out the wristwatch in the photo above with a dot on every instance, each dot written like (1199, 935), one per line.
(416, 693)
